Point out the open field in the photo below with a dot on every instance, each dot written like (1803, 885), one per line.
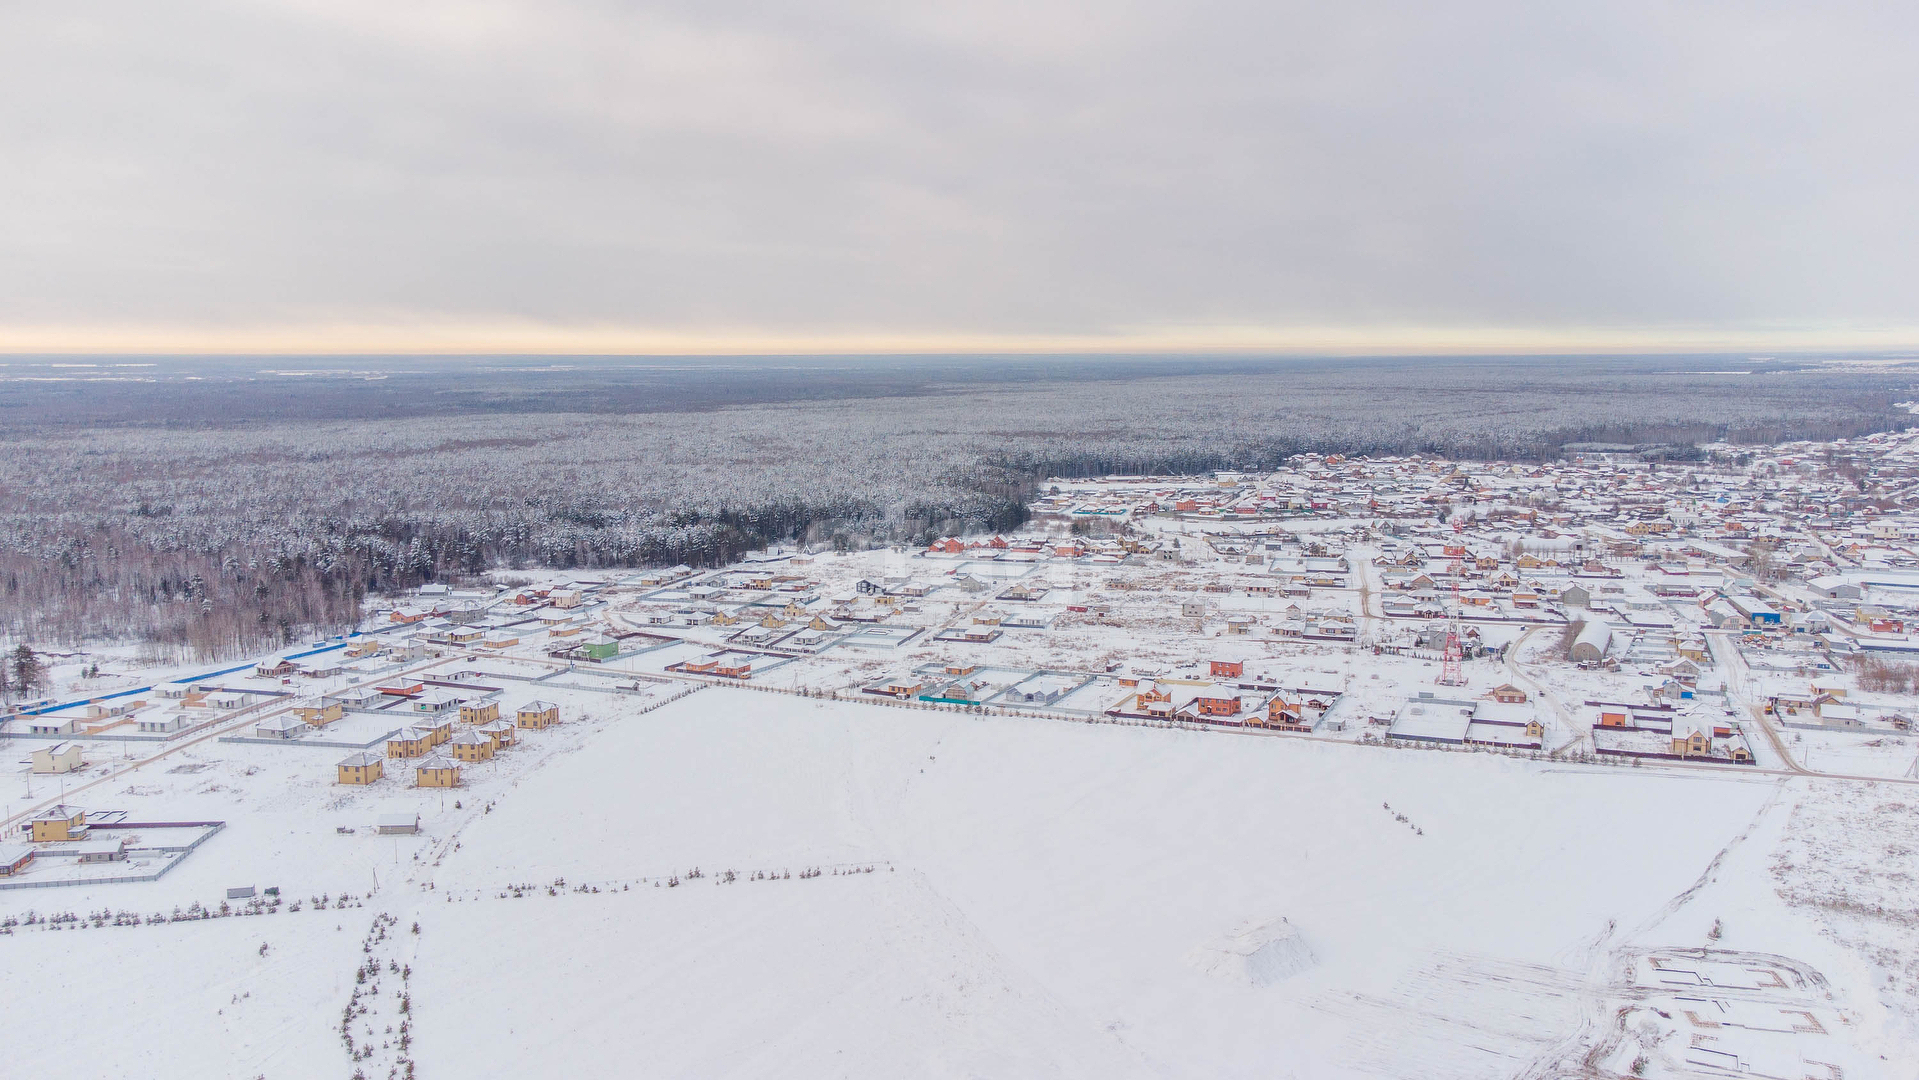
(1036, 896)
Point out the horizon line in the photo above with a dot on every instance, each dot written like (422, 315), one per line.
(536, 339)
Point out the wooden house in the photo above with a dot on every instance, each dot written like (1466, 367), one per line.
(1508, 694)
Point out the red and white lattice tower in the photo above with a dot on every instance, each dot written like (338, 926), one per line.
(1450, 673)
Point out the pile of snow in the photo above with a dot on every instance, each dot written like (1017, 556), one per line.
(1259, 956)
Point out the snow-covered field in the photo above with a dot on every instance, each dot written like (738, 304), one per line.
(999, 897)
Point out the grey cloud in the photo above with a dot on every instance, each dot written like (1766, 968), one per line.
(992, 167)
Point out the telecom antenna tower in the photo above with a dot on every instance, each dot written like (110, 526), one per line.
(1450, 673)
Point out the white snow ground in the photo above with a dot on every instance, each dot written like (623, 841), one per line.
(1037, 888)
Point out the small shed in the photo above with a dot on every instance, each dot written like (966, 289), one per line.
(399, 824)
(94, 851)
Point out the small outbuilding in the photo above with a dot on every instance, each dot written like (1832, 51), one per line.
(400, 824)
(14, 858)
(280, 727)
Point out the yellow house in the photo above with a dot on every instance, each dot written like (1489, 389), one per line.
(408, 742)
(1690, 741)
(471, 746)
(480, 714)
(60, 823)
(437, 731)
(62, 757)
(436, 771)
(362, 768)
(319, 715)
(499, 732)
(538, 714)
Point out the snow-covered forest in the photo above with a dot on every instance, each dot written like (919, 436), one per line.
(219, 538)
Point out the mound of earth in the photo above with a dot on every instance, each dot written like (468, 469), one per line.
(1259, 956)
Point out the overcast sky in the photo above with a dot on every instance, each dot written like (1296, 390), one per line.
(333, 173)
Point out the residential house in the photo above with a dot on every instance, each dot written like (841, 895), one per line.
(57, 823)
(538, 714)
(471, 747)
(408, 743)
(361, 768)
(62, 757)
(319, 715)
(280, 727)
(436, 772)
